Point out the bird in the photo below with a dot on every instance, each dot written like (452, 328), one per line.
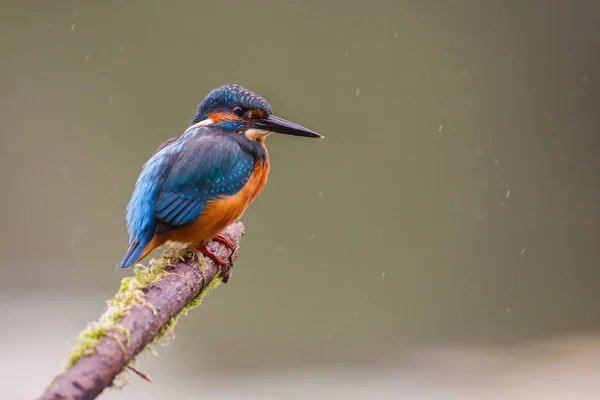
(198, 183)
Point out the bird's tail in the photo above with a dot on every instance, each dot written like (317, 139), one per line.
(134, 253)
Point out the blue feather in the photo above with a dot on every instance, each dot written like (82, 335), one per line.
(177, 182)
(173, 209)
(210, 166)
(141, 223)
(188, 214)
(227, 95)
(133, 253)
(169, 198)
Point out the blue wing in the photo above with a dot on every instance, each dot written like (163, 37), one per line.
(140, 210)
(176, 183)
(209, 167)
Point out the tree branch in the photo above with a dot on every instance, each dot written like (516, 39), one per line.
(144, 309)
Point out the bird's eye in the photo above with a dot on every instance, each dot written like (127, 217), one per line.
(238, 111)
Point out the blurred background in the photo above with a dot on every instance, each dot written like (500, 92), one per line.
(441, 243)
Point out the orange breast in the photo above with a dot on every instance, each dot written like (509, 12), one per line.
(222, 212)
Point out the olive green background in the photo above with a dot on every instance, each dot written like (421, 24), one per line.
(454, 201)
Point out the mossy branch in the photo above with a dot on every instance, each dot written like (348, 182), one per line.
(146, 308)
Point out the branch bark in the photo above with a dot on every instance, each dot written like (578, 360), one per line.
(163, 300)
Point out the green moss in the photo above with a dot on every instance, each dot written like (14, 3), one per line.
(116, 339)
(131, 293)
(125, 333)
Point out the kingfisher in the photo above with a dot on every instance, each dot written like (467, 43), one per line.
(198, 183)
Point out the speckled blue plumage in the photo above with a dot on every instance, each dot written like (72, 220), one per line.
(211, 166)
(228, 95)
(176, 183)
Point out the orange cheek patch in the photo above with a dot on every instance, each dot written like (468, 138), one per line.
(255, 114)
(222, 116)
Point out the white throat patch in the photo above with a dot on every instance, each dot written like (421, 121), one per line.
(255, 134)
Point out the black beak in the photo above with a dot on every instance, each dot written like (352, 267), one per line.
(279, 125)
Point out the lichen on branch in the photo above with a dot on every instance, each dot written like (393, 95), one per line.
(145, 309)
(131, 293)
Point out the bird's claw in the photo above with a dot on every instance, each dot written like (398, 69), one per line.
(227, 243)
(224, 272)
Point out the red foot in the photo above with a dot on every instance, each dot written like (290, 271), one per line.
(224, 272)
(202, 249)
(226, 242)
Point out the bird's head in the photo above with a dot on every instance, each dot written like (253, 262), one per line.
(238, 110)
